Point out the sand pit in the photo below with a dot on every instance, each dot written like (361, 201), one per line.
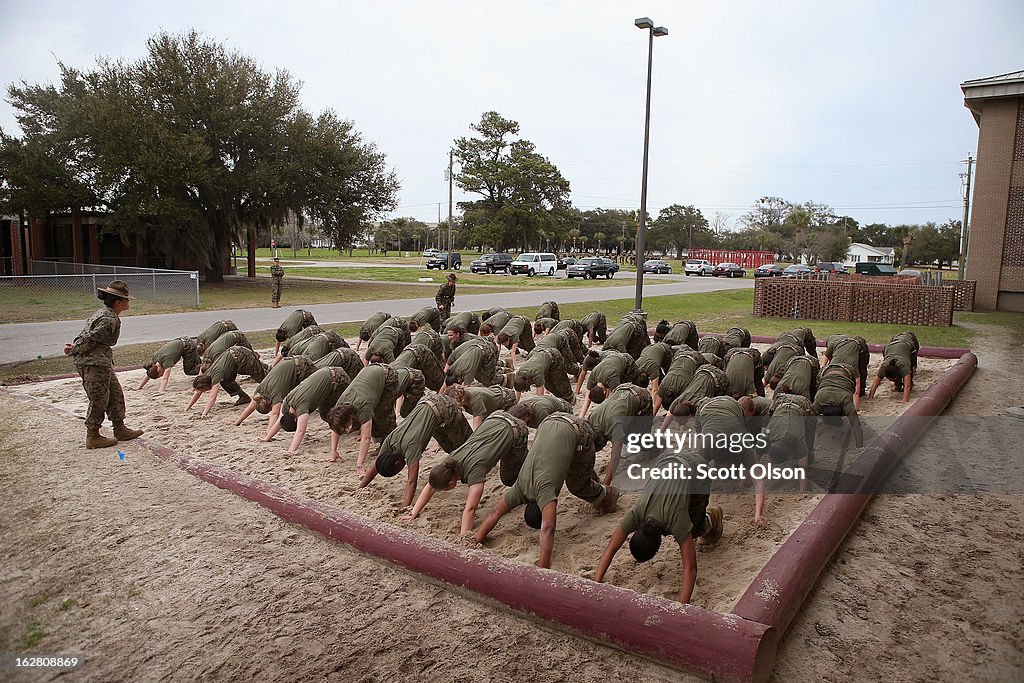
(724, 571)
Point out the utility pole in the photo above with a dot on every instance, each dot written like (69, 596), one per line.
(451, 179)
(965, 234)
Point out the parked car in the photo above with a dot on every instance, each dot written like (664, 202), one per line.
(728, 269)
(796, 270)
(657, 266)
(491, 263)
(611, 264)
(445, 261)
(591, 267)
(534, 263)
(875, 269)
(565, 262)
(431, 253)
(909, 272)
(830, 267)
(769, 270)
(700, 267)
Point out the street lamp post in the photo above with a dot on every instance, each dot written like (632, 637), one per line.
(641, 231)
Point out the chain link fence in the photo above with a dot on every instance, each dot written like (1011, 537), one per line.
(56, 282)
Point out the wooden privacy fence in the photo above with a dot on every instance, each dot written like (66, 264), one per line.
(854, 301)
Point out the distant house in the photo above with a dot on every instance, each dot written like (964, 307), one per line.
(865, 253)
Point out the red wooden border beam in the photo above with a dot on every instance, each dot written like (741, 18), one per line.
(776, 595)
(718, 646)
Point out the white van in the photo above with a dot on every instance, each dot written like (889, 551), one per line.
(535, 264)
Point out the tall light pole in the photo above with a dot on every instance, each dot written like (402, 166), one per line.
(641, 231)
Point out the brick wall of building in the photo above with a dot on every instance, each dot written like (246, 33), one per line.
(1011, 276)
(996, 141)
(854, 301)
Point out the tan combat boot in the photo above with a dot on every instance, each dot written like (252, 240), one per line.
(93, 439)
(124, 434)
(610, 500)
(717, 526)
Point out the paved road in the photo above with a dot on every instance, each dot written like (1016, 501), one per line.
(25, 341)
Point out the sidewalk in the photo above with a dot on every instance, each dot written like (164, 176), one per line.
(26, 341)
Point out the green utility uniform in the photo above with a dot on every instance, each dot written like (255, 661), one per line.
(296, 320)
(736, 338)
(422, 358)
(778, 355)
(482, 401)
(94, 360)
(629, 336)
(792, 418)
(299, 337)
(851, 351)
(476, 360)
(745, 372)
(492, 312)
(684, 363)
(596, 324)
(183, 349)
(712, 345)
(318, 392)
(238, 360)
(497, 319)
(677, 507)
(501, 438)
(402, 325)
(707, 381)
(342, 358)
(212, 333)
(566, 343)
(683, 332)
(519, 331)
(562, 453)
(276, 276)
(445, 298)
(543, 406)
(612, 416)
(903, 349)
(284, 377)
(800, 377)
(367, 329)
(222, 344)
(374, 392)
(836, 385)
(467, 320)
(429, 316)
(655, 360)
(432, 340)
(545, 323)
(722, 415)
(449, 347)
(548, 309)
(614, 369)
(545, 368)
(388, 341)
(434, 416)
(806, 339)
(314, 348)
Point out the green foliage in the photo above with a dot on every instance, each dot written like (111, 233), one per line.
(682, 227)
(190, 148)
(522, 193)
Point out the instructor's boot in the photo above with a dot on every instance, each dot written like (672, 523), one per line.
(717, 526)
(93, 439)
(124, 434)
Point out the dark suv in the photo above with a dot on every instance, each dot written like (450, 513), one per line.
(489, 263)
(445, 262)
(590, 267)
(830, 267)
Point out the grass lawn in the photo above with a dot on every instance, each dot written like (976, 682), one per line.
(22, 304)
(713, 312)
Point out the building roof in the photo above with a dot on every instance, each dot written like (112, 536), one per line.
(879, 251)
(1010, 84)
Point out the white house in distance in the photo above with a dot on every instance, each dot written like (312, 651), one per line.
(865, 253)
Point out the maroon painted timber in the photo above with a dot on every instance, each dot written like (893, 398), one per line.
(776, 595)
(719, 646)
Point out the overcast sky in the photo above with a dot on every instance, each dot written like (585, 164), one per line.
(852, 104)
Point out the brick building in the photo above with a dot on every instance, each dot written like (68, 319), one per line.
(995, 256)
